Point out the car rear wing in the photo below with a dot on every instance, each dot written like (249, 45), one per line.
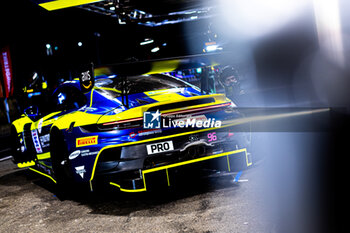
(167, 64)
(123, 70)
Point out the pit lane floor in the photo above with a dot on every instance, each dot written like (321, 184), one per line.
(28, 203)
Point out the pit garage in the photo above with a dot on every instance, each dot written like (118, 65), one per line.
(173, 116)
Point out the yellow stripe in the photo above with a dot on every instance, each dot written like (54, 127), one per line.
(247, 160)
(42, 163)
(127, 190)
(167, 176)
(44, 156)
(43, 174)
(167, 97)
(26, 164)
(44, 121)
(92, 91)
(59, 4)
(228, 162)
(51, 121)
(80, 118)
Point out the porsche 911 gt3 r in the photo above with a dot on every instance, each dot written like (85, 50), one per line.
(102, 129)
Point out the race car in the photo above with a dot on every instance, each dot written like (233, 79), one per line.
(133, 132)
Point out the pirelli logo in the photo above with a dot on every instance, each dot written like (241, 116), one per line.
(86, 141)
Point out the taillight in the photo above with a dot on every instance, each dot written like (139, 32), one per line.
(120, 125)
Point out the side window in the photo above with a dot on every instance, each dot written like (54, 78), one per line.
(67, 98)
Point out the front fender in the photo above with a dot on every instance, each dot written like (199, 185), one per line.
(19, 123)
(79, 118)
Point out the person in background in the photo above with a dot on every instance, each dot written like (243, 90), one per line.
(229, 79)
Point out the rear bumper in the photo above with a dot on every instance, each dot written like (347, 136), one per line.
(146, 179)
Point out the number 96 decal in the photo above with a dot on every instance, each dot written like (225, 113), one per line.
(212, 137)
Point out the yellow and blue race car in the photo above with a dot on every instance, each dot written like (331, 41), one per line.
(129, 131)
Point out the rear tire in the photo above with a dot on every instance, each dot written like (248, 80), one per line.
(59, 158)
(67, 188)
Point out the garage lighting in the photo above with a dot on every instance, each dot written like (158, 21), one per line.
(147, 41)
(328, 24)
(35, 76)
(154, 50)
(260, 18)
(211, 48)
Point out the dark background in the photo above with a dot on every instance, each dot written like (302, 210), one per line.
(279, 70)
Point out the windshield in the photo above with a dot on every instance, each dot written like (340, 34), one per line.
(137, 84)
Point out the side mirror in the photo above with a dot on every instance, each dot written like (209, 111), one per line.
(32, 111)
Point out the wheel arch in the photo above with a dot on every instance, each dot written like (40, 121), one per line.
(19, 123)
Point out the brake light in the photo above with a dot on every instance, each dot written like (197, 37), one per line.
(119, 125)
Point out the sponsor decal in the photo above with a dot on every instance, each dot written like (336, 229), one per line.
(82, 153)
(144, 132)
(42, 167)
(6, 67)
(74, 154)
(36, 141)
(86, 141)
(160, 147)
(86, 78)
(212, 137)
(45, 140)
(40, 125)
(148, 132)
(80, 170)
(151, 120)
(88, 152)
